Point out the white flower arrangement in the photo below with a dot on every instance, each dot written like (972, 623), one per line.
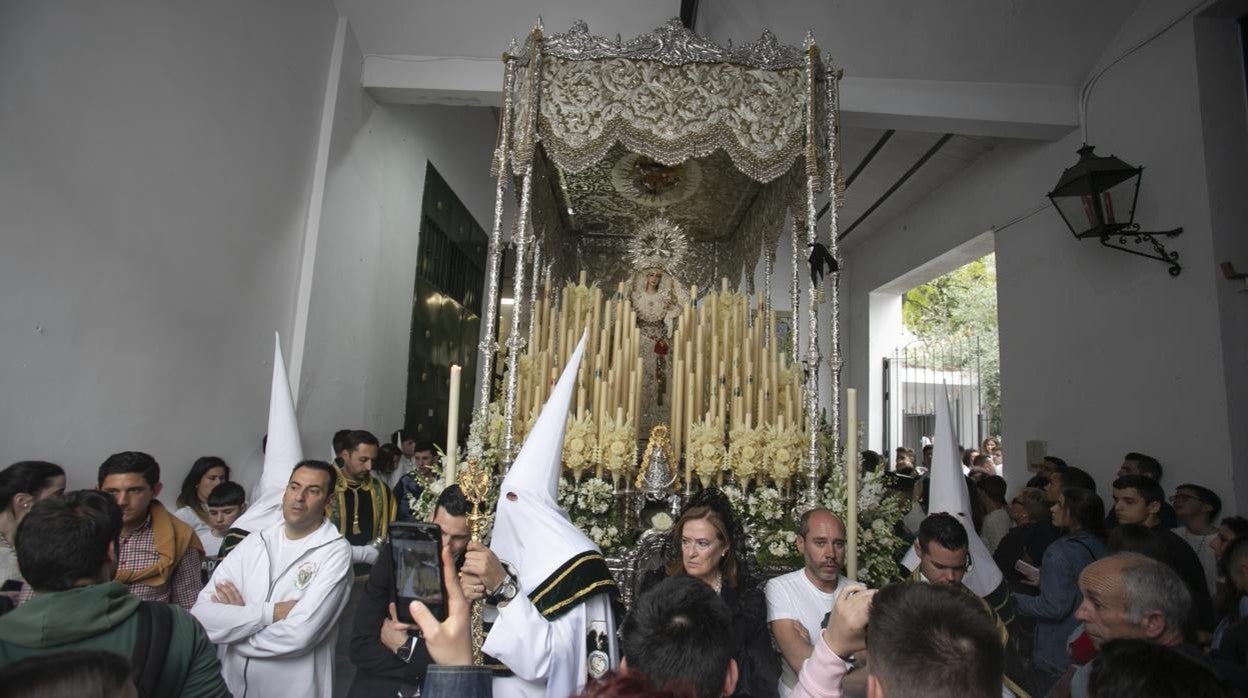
(567, 495)
(736, 497)
(590, 504)
(781, 543)
(765, 506)
(619, 447)
(595, 496)
(661, 521)
(579, 441)
(605, 536)
(878, 513)
(706, 448)
(422, 507)
(745, 452)
(783, 452)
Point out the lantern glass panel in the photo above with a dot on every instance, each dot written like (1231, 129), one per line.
(1117, 202)
(1080, 213)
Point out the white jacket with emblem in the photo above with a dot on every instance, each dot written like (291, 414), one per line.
(294, 656)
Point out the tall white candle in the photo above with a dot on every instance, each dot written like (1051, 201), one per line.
(851, 481)
(452, 426)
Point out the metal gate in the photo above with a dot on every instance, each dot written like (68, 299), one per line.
(915, 376)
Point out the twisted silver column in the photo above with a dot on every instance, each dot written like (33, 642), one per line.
(489, 338)
(811, 495)
(514, 342)
(536, 269)
(833, 99)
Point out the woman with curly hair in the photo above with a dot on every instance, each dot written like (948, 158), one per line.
(707, 542)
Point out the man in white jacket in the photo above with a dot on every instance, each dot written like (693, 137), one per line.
(272, 604)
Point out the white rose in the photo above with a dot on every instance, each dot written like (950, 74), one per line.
(577, 445)
(708, 450)
(617, 448)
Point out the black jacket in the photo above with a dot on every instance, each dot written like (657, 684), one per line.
(379, 672)
(1184, 561)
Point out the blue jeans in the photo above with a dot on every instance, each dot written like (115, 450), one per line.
(457, 682)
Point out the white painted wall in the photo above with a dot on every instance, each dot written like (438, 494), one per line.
(1225, 123)
(1101, 353)
(154, 167)
(354, 373)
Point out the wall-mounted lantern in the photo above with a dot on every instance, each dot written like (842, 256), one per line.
(1096, 198)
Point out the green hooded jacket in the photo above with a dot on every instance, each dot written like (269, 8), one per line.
(105, 617)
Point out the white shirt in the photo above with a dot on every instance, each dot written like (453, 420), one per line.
(793, 596)
(996, 525)
(1200, 544)
(913, 518)
(212, 544)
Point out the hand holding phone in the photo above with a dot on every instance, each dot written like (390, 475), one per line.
(449, 641)
(415, 549)
(1031, 573)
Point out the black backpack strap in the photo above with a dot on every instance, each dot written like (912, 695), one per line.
(151, 645)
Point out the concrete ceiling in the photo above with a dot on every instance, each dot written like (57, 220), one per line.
(1017, 41)
(968, 55)
(1021, 41)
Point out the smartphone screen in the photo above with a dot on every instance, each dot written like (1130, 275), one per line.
(415, 550)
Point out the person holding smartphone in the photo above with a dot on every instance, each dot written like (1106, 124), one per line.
(390, 657)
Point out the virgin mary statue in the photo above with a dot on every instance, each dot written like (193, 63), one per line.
(657, 296)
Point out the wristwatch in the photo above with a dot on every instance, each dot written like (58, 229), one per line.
(408, 648)
(506, 590)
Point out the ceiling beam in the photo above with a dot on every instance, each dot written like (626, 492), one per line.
(1001, 110)
(862, 165)
(940, 143)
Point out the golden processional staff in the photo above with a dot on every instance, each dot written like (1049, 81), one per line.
(474, 480)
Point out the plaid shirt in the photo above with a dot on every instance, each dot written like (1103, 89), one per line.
(138, 552)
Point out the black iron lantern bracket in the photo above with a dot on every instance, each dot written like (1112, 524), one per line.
(1133, 235)
(1096, 198)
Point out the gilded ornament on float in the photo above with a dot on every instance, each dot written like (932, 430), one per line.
(657, 473)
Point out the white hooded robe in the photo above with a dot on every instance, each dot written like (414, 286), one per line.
(564, 588)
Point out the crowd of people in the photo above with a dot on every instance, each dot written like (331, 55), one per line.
(108, 592)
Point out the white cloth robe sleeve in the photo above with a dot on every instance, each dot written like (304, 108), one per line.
(314, 616)
(536, 649)
(226, 623)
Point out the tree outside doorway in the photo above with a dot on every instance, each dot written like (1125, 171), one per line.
(958, 313)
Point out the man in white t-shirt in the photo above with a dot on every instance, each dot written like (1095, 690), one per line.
(798, 601)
